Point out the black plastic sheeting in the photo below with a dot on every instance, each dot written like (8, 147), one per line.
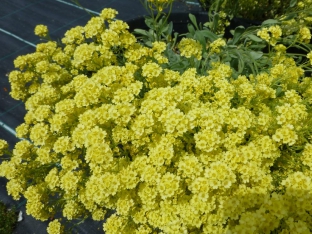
(18, 19)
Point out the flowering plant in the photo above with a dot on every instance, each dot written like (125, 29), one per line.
(8, 218)
(199, 134)
(248, 9)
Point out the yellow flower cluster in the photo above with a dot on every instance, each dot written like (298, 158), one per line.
(304, 35)
(41, 30)
(189, 47)
(216, 45)
(107, 14)
(3, 146)
(309, 56)
(111, 127)
(271, 34)
(55, 227)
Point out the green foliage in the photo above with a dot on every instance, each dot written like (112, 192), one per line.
(8, 219)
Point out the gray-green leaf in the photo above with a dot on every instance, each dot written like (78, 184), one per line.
(254, 38)
(255, 54)
(193, 19)
(293, 3)
(270, 21)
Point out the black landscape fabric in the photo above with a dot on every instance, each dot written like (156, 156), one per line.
(18, 19)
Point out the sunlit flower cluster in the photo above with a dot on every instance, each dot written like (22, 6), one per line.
(41, 30)
(189, 47)
(309, 56)
(110, 127)
(3, 146)
(271, 34)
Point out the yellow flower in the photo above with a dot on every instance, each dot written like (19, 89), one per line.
(52, 179)
(15, 187)
(189, 166)
(264, 34)
(115, 224)
(216, 45)
(63, 145)
(108, 14)
(45, 155)
(307, 155)
(304, 34)
(285, 135)
(69, 181)
(3, 146)
(189, 47)
(168, 185)
(151, 70)
(23, 150)
(159, 46)
(74, 36)
(94, 27)
(41, 30)
(275, 31)
(55, 227)
(99, 153)
(124, 206)
(309, 56)
(271, 34)
(98, 214)
(71, 210)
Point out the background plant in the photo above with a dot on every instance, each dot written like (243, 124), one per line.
(8, 219)
(247, 9)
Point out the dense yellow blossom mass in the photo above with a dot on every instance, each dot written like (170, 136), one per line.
(111, 128)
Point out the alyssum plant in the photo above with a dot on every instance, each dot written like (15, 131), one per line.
(177, 134)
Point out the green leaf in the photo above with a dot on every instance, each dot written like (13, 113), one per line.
(193, 20)
(255, 54)
(164, 29)
(215, 22)
(191, 29)
(240, 61)
(208, 24)
(200, 37)
(279, 91)
(237, 34)
(150, 23)
(149, 43)
(233, 56)
(292, 3)
(270, 21)
(290, 16)
(141, 31)
(170, 28)
(252, 28)
(175, 38)
(210, 35)
(254, 38)
(241, 66)
(257, 47)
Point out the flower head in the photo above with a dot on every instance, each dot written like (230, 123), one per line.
(3, 146)
(41, 30)
(108, 14)
(190, 47)
(309, 56)
(55, 227)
